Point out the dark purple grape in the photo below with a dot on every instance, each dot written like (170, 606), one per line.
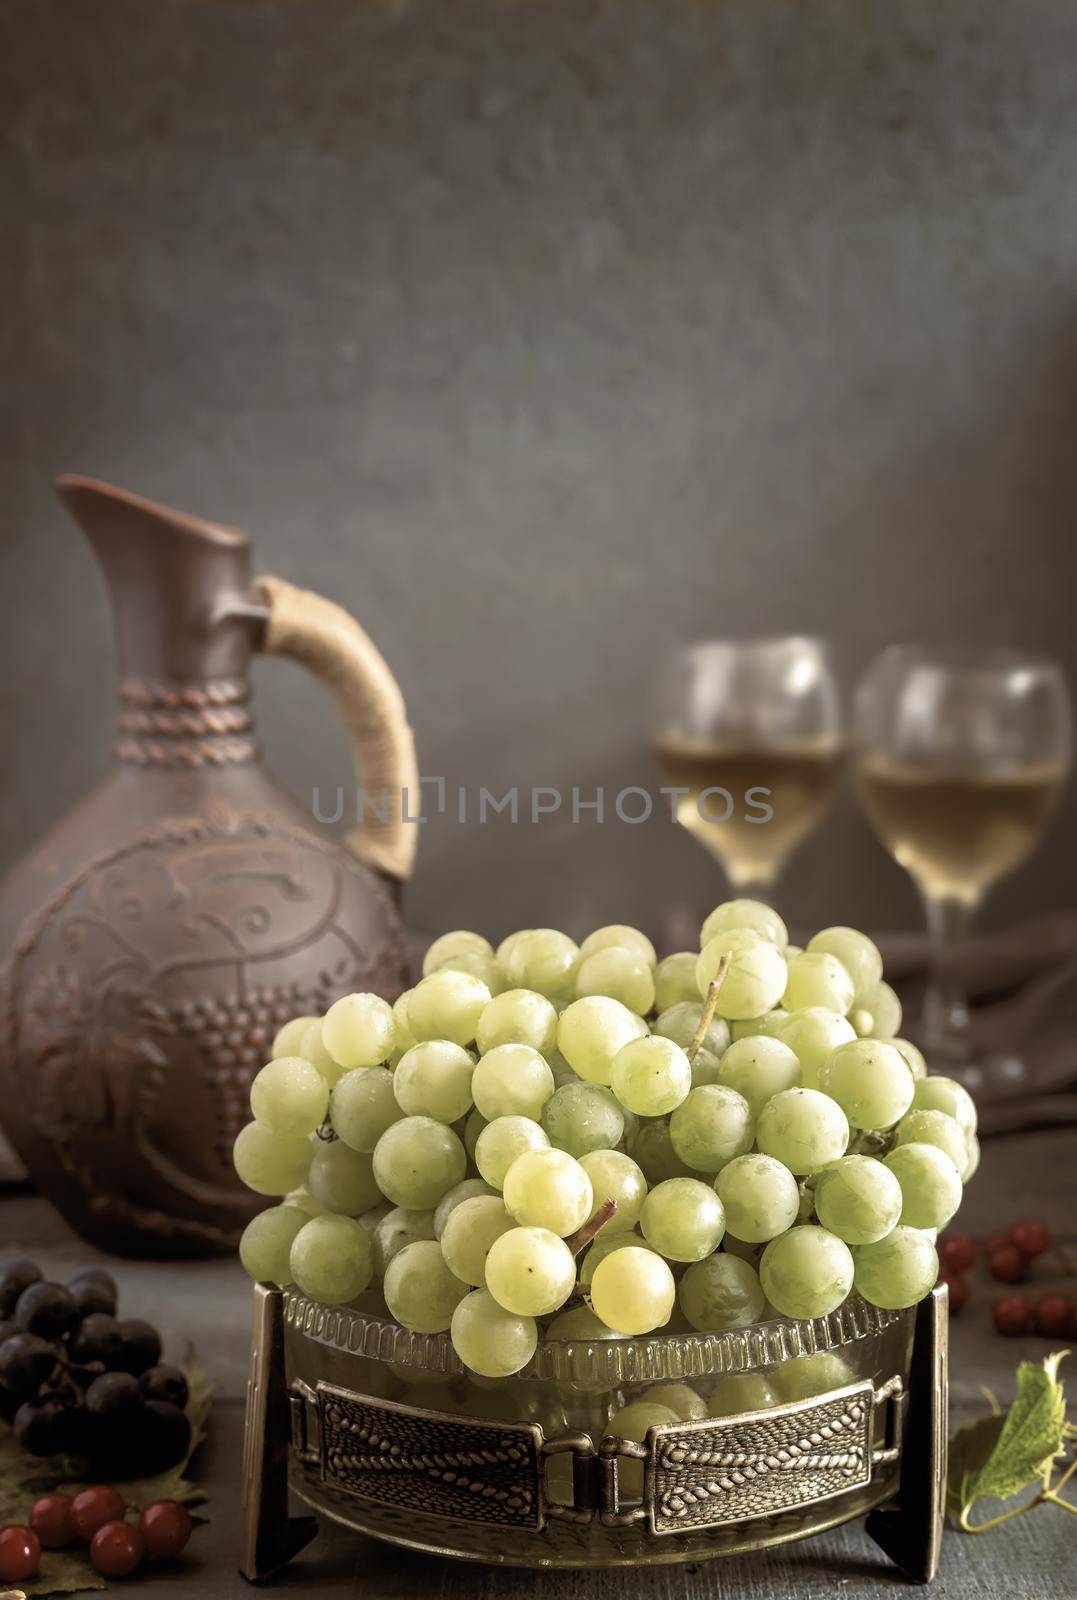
(15, 1276)
(94, 1296)
(9, 1404)
(164, 1435)
(26, 1362)
(40, 1429)
(164, 1383)
(98, 1339)
(113, 1394)
(8, 1329)
(48, 1310)
(141, 1347)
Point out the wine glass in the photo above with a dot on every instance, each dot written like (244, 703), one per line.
(749, 733)
(960, 758)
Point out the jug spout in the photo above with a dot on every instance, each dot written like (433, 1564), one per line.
(180, 587)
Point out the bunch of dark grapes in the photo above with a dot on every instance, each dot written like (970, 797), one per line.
(76, 1381)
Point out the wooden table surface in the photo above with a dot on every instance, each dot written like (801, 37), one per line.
(1031, 1558)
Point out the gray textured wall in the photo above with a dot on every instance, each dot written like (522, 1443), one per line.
(543, 334)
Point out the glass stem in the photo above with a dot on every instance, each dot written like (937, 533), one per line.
(946, 1011)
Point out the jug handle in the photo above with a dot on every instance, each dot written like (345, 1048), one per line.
(325, 639)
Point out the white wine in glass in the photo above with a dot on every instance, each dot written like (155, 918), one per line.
(751, 732)
(961, 756)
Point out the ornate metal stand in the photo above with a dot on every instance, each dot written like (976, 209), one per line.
(382, 1465)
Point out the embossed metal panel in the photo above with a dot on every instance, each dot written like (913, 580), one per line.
(424, 1461)
(730, 1469)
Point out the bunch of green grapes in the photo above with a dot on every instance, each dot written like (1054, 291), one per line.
(567, 1141)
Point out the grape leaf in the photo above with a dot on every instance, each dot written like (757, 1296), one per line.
(999, 1455)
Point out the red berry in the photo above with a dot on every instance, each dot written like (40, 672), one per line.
(166, 1526)
(51, 1520)
(94, 1507)
(1006, 1264)
(959, 1291)
(1051, 1315)
(20, 1551)
(1031, 1236)
(994, 1241)
(957, 1252)
(116, 1549)
(1012, 1314)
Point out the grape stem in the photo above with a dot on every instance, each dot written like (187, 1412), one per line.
(578, 1241)
(707, 1016)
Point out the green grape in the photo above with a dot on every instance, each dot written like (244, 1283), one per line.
(934, 1127)
(512, 1080)
(542, 959)
(419, 1289)
(885, 1010)
(266, 1244)
(858, 955)
(485, 968)
(459, 942)
(897, 1271)
(358, 1030)
(935, 1093)
(313, 1049)
(530, 1271)
(760, 1196)
(675, 980)
(402, 1034)
(679, 1023)
(683, 1219)
(618, 936)
(737, 1392)
(369, 1220)
(713, 1125)
(930, 1185)
(287, 1041)
(518, 1016)
(289, 1096)
(770, 1024)
(706, 1068)
(580, 1325)
(583, 1116)
(508, 944)
(591, 1031)
(342, 1179)
(634, 1422)
(755, 979)
(362, 1105)
(733, 915)
(870, 1081)
(813, 1035)
(398, 1228)
(651, 1147)
(615, 1176)
(417, 1161)
(858, 1199)
(447, 1005)
(548, 1189)
(269, 1164)
(470, 1229)
(681, 1398)
(433, 1079)
(619, 974)
(331, 1260)
(651, 1076)
(604, 1245)
(806, 1272)
(803, 1129)
(304, 1201)
(862, 1022)
(817, 978)
(818, 1373)
(474, 1123)
(633, 1291)
(721, 1292)
(758, 1068)
(913, 1057)
(502, 1141)
(974, 1158)
(489, 1339)
(466, 1189)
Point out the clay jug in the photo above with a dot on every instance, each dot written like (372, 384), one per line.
(156, 938)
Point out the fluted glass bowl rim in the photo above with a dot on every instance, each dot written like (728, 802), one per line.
(601, 1363)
